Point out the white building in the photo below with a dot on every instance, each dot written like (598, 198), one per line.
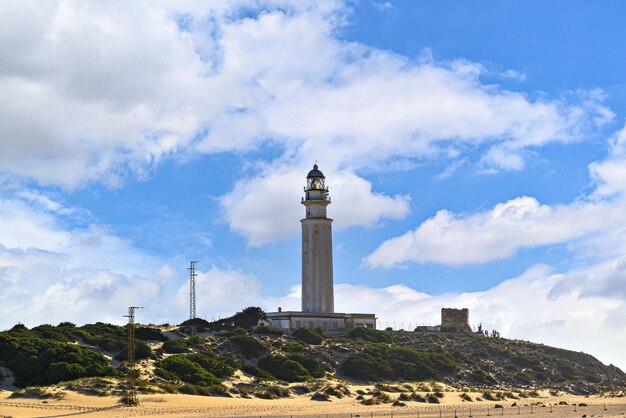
(318, 306)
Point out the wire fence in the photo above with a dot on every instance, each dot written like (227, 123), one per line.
(464, 412)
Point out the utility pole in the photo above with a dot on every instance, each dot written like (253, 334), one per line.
(192, 294)
(131, 394)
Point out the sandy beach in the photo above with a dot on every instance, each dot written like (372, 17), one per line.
(168, 405)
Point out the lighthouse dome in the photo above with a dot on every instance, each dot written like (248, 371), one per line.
(315, 173)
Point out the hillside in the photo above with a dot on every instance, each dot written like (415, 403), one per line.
(244, 363)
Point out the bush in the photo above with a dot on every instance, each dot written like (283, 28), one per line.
(283, 368)
(142, 351)
(268, 330)
(384, 362)
(313, 366)
(293, 347)
(466, 397)
(271, 392)
(370, 334)
(309, 336)
(181, 368)
(249, 346)
(216, 365)
(198, 324)
(45, 362)
(64, 332)
(257, 372)
(175, 346)
(150, 334)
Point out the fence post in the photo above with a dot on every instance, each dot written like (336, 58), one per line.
(439, 412)
(470, 415)
(550, 408)
(502, 413)
(605, 406)
(455, 416)
(518, 410)
(488, 414)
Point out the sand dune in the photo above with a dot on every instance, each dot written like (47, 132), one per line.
(167, 405)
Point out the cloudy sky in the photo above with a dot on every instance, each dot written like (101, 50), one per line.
(476, 157)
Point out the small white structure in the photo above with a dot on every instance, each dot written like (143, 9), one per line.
(318, 306)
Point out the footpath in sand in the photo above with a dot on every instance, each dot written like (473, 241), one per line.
(167, 405)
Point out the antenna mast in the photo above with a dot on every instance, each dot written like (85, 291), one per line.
(131, 395)
(192, 289)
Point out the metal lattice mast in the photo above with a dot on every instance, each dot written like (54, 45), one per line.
(192, 289)
(131, 396)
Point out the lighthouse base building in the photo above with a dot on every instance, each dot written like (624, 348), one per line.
(318, 306)
(325, 321)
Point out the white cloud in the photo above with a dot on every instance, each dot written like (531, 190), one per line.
(610, 174)
(497, 233)
(257, 207)
(50, 274)
(93, 91)
(592, 225)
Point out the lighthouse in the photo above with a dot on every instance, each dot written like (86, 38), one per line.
(318, 302)
(317, 246)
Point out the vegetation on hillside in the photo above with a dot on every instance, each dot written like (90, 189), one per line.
(200, 363)
(38, 361)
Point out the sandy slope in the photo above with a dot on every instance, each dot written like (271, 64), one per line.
(167, 405)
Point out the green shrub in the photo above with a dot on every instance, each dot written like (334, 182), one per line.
(283, 368)
(466, 397)
(195, 341)
(142, 351)
(482, 377)
(249, 346)
(265, 330)
(198, 324)
(255, 371)
(181, 368)
(246, 319)
(313, 366)
(215, 364)
(293, 347)
(384, 362)
(271, 392)
(175, 346)
(309, 336)
(432, 398)
(65, 333)
(149, 334)
(370, 334)
(36, 361)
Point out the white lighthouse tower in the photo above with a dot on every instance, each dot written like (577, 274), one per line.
(317, 247)
(318, 305)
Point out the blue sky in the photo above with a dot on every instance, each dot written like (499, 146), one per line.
(475, 155)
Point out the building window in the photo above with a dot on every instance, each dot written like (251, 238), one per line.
(298, 324)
